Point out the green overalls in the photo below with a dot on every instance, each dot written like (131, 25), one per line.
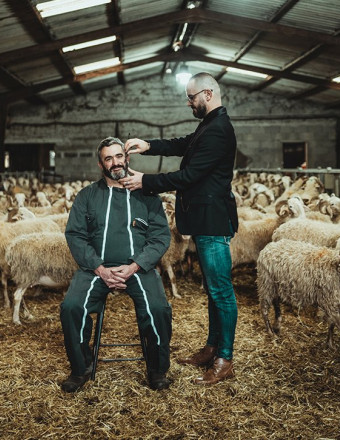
(111, 226)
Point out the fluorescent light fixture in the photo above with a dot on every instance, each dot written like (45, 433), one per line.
(183, 75)
(89, 44)
(336, 79)
(96, 66)
(56, 7)
(245, 72)
(193, 4)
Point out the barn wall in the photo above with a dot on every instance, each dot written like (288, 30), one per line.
(157, 108)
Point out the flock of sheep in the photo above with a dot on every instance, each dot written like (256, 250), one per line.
(289, 229)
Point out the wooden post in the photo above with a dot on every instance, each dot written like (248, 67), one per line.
(3, 118)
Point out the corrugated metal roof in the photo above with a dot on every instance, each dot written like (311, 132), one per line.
(133, 10)
(220, 33)
(316, 15)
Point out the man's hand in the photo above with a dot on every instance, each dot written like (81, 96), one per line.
(106, 275)
(123, 272)
(133, 146)
(133, 181)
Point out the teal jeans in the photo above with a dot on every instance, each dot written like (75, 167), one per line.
(215, 261)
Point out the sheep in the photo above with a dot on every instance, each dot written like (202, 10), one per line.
(315, 232)
(15, 214)
(258, 188)
(8, 231)
(39, 259)
(331, 207)
(177, 249)
(247, 213)
(254, 235)
(302, 275)
(20, 199)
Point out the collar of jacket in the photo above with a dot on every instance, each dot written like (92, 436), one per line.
(218, 111)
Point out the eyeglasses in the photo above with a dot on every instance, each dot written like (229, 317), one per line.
(190, 98)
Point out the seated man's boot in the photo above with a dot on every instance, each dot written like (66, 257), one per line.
(158, 381)
(73, 383)
(202, 358)
(220, 370)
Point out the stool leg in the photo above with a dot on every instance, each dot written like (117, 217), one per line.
(143, 344)
(96, 341)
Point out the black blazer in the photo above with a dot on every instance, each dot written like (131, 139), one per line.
(205, 204)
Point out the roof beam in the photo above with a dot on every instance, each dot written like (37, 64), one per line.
(286, 7)
(12, 82)
(309, 92)
(114, 20)
(182, 56)
(293, 65)
(35, 27)
(198, 16)
(3, 120)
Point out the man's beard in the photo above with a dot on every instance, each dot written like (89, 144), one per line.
(199, 111)
(115, 173)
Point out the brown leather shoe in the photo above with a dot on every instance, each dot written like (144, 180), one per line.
(221, 369)
(202, 358)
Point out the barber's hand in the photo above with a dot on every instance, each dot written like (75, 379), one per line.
(124, 272)
(106, 275)
(133, 181)
(133, 146)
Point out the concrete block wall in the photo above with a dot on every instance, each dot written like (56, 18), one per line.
(157, 108)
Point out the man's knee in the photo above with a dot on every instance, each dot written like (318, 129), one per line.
(70, 306)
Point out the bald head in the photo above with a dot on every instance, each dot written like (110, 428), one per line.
(203, 94)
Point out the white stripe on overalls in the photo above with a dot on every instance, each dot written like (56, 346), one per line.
(102, 257)
(135, 275)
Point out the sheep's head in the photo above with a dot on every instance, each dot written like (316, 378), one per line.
(296, 207)
(281, 209)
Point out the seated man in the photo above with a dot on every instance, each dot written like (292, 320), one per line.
(116, 237)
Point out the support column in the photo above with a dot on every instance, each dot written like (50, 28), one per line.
(3, 118)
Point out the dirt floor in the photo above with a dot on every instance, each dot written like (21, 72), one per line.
(288, 389)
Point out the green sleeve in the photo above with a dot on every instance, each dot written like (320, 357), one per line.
(77, 235)
(158, 236)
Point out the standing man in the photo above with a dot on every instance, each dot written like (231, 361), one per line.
(205, 209)
(117, 239)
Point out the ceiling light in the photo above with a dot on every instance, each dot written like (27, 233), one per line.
(96, 66)
(193, 4)
(56, 7)
(89, 44)
(336, 79)
(183, 76)
(245, 72)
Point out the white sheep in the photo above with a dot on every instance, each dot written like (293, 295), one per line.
(176, 252)
(9, 231)
(311, 231)
(302, 275)
(254, 235)
(39, 259)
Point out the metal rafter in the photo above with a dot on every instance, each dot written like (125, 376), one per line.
(295, 64)
(182, 56)
(286, 7)
(35, 27)
(113, 21)
(140, 26)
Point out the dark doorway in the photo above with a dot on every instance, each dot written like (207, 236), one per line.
(28, 157)
(294, 154)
